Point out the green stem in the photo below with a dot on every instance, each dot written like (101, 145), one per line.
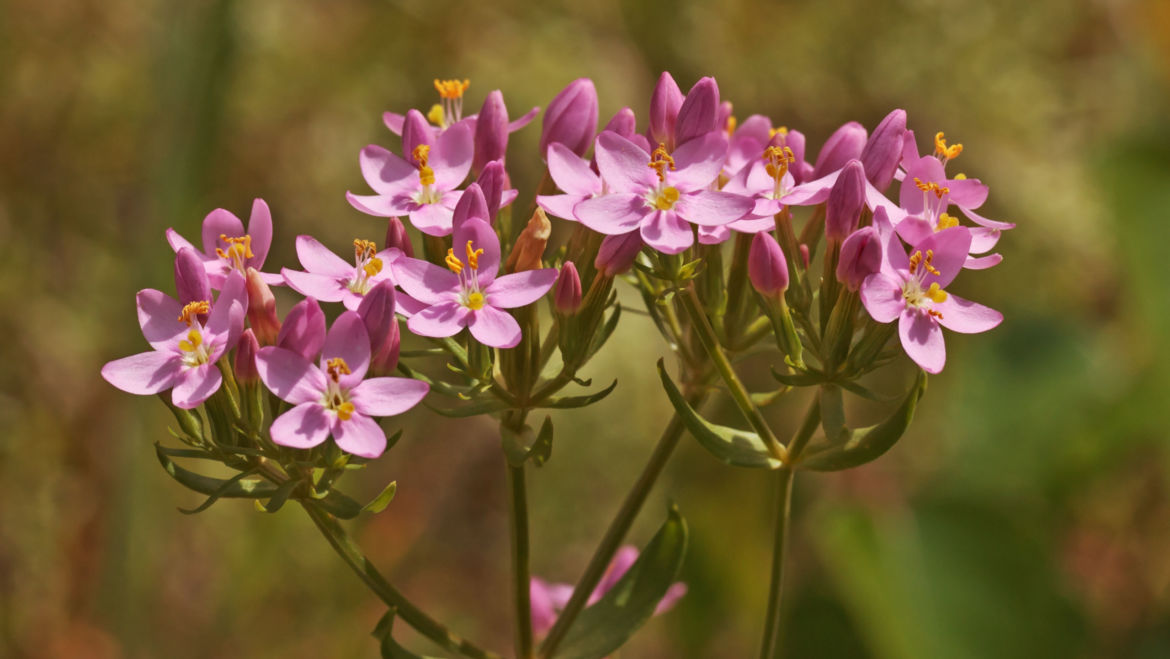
(408, 612)
(768, 646)
(521, 576)
(617, 530)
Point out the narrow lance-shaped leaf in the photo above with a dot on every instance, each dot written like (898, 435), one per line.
(567, 402)
(240, 489)
(390, 649)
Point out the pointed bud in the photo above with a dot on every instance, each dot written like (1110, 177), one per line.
(493, 180)
(843, 209)
(623, 123)
(767, 267)
(883, 151)
(567, 290)
(245, 361)
(845, 144)
(491, 131)
(377, 311)
(664, 107)
(415, 131)
(262, 309)
(191, 282)
(617, 253)
(804, 255)
(861, 256)
(699, 112)
(471, 204)
(303, 331)
(571, 118)
(397, 237)
(529, 247)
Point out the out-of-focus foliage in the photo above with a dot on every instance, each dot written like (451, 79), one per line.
(1026, 514)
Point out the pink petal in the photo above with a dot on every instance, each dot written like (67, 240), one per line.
(967, 193)
(178, 242)
(623, 164)
(158, 315)
(982, 262)
(983, 239)
(543, 613)
(319, 287)
(672, 596)
(612, 214)
(387, 396)
(697, 162)
(560, 205)
(713, 208)
(666, 232)
(426, 282)
(432, 219)
(523, 120)
(195, 385)
(914, 229)
(966, 317)
(260, 229)
(441, 320)
(144, 373)
(717, 235)
(289, 375)
(882, 297)
(950, 247)
(495, 328)
(220, 222)
(928, 169)
(406, 306)
(571, 172)
(304, 426)
(359, 435)
(922, 340)
(812, 192)
(383, 206)
(508, 196)
(451, 157)
(521, 288)
(394, 122)
(349, 340)
(874, 199)
(387, 173)
(227, 314)
(984, 222)
(481, 236)
(318, 259)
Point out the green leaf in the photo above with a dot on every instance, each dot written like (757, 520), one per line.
(379, 503)
(568, 402)
(236, 488)
(541, 449)
(517, 448)
(832, 413)
(739, 448)
(280, 497)
(214, 496)
(390, 648)
(487, 405)
(802, 379)
(601, 337)
(604, 627)
(339, 505)
(866, 444)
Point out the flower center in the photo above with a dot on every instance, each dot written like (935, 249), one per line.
(664, 199)
(469, 294)
(912, 290)
(239, 250)
(943, 151)
(778, 158)
(660, 160)
(335, 397)
(946, 222)
(193, 309)
(934, 200)
(194, 350)
(366, 265)
(450, 110)
(426, 175)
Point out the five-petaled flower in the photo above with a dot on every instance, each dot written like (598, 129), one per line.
(328, 278)
(227, 246)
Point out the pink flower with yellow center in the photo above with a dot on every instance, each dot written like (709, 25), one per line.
(329, 278)
(227, 246)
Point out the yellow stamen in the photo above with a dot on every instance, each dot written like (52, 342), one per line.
(435, 115)
(473, 256)
(732, 122)
(373, 266)
(475, 301)
(421, 155)
(237, 247)
(192, 342)
(336, 367)
(960, 176)
(192, 309)
(936, 293)
(345, 410)
(927, 263)
(666, 199)
(946, 222)
(451, 89)
(660, 160)
(363, 249)
(936, 314)
(937, 189)
(778, 158)
(453, 262)
(947, 152)
(779, 130)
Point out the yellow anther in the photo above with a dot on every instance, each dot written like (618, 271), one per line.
(336, 367)
(779, 130)
(240, 247)
(421, 154)
(373, 266)
(732, 122)
(935, 313)
(453, 262)
(192, 342)
(473, 256)
(475, 301)
(660, 160)
(451, 89)
(960, 176)
(192, 309)
(666, 198)
(778, 158)
(947, 152)
(937, 189)
(436, 116)
(936, 293)
(363, 249)
(946, 222)
(345, 410)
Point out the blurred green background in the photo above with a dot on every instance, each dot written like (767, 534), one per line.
(1026, 514)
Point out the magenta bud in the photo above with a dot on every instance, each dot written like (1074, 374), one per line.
(245, 361)
(471, 204)
(377, 312)
(617, 253)
(623, 123)
(767, 267)
(571, 118)
(804, 255)
(397, 237)
(664, 107)
(191, 277)
(415, 131)
(801, 170)
(699, 113)
(861, 256)
(883, 151)
(843, 209)
(725, 110)
(845, 144)
(491, 131)
(303, 331)
(261, 309)
(567, 289)
(492, 181)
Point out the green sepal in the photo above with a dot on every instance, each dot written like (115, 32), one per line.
(568, 402)
(379, 503)
(279, 498)
(517, 448)
(606, 625)
(832, 413)
(739, 448)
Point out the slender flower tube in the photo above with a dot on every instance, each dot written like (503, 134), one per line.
(571, 118)
(262, 309)
(328, 278)
(767, 266)
(377, 312)
(303, 331)
(468, 293)
(333, 398)
(845, 144)
(567, 290)
(227, 246)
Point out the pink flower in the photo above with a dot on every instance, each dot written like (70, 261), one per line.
(660, 193)
(328, 278)
(449, 112)
(332, 399)
(227, 246)
(185, 348)
(765, 181)
(910, 289)
(467, 293)
(574, 176)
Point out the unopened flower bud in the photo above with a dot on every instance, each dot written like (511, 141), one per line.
(883, 151)
(843, 209)
(492, 181)
(845, 144)
(664, 107)
(861, 256)
(491, 131)
(529, 248)
(397, 237)
(245, 361)
(699, 112)
(623, 123)
(377, 311)
(415, 131)
(567, 290)
(617, 253)
(767, 267)
(571, 118)
(471, 204)
(303, 331)
(191, 282)
(262, 309)
(804, 258)
(800, 169)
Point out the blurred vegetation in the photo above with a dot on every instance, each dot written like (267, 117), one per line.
(1027, 514)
